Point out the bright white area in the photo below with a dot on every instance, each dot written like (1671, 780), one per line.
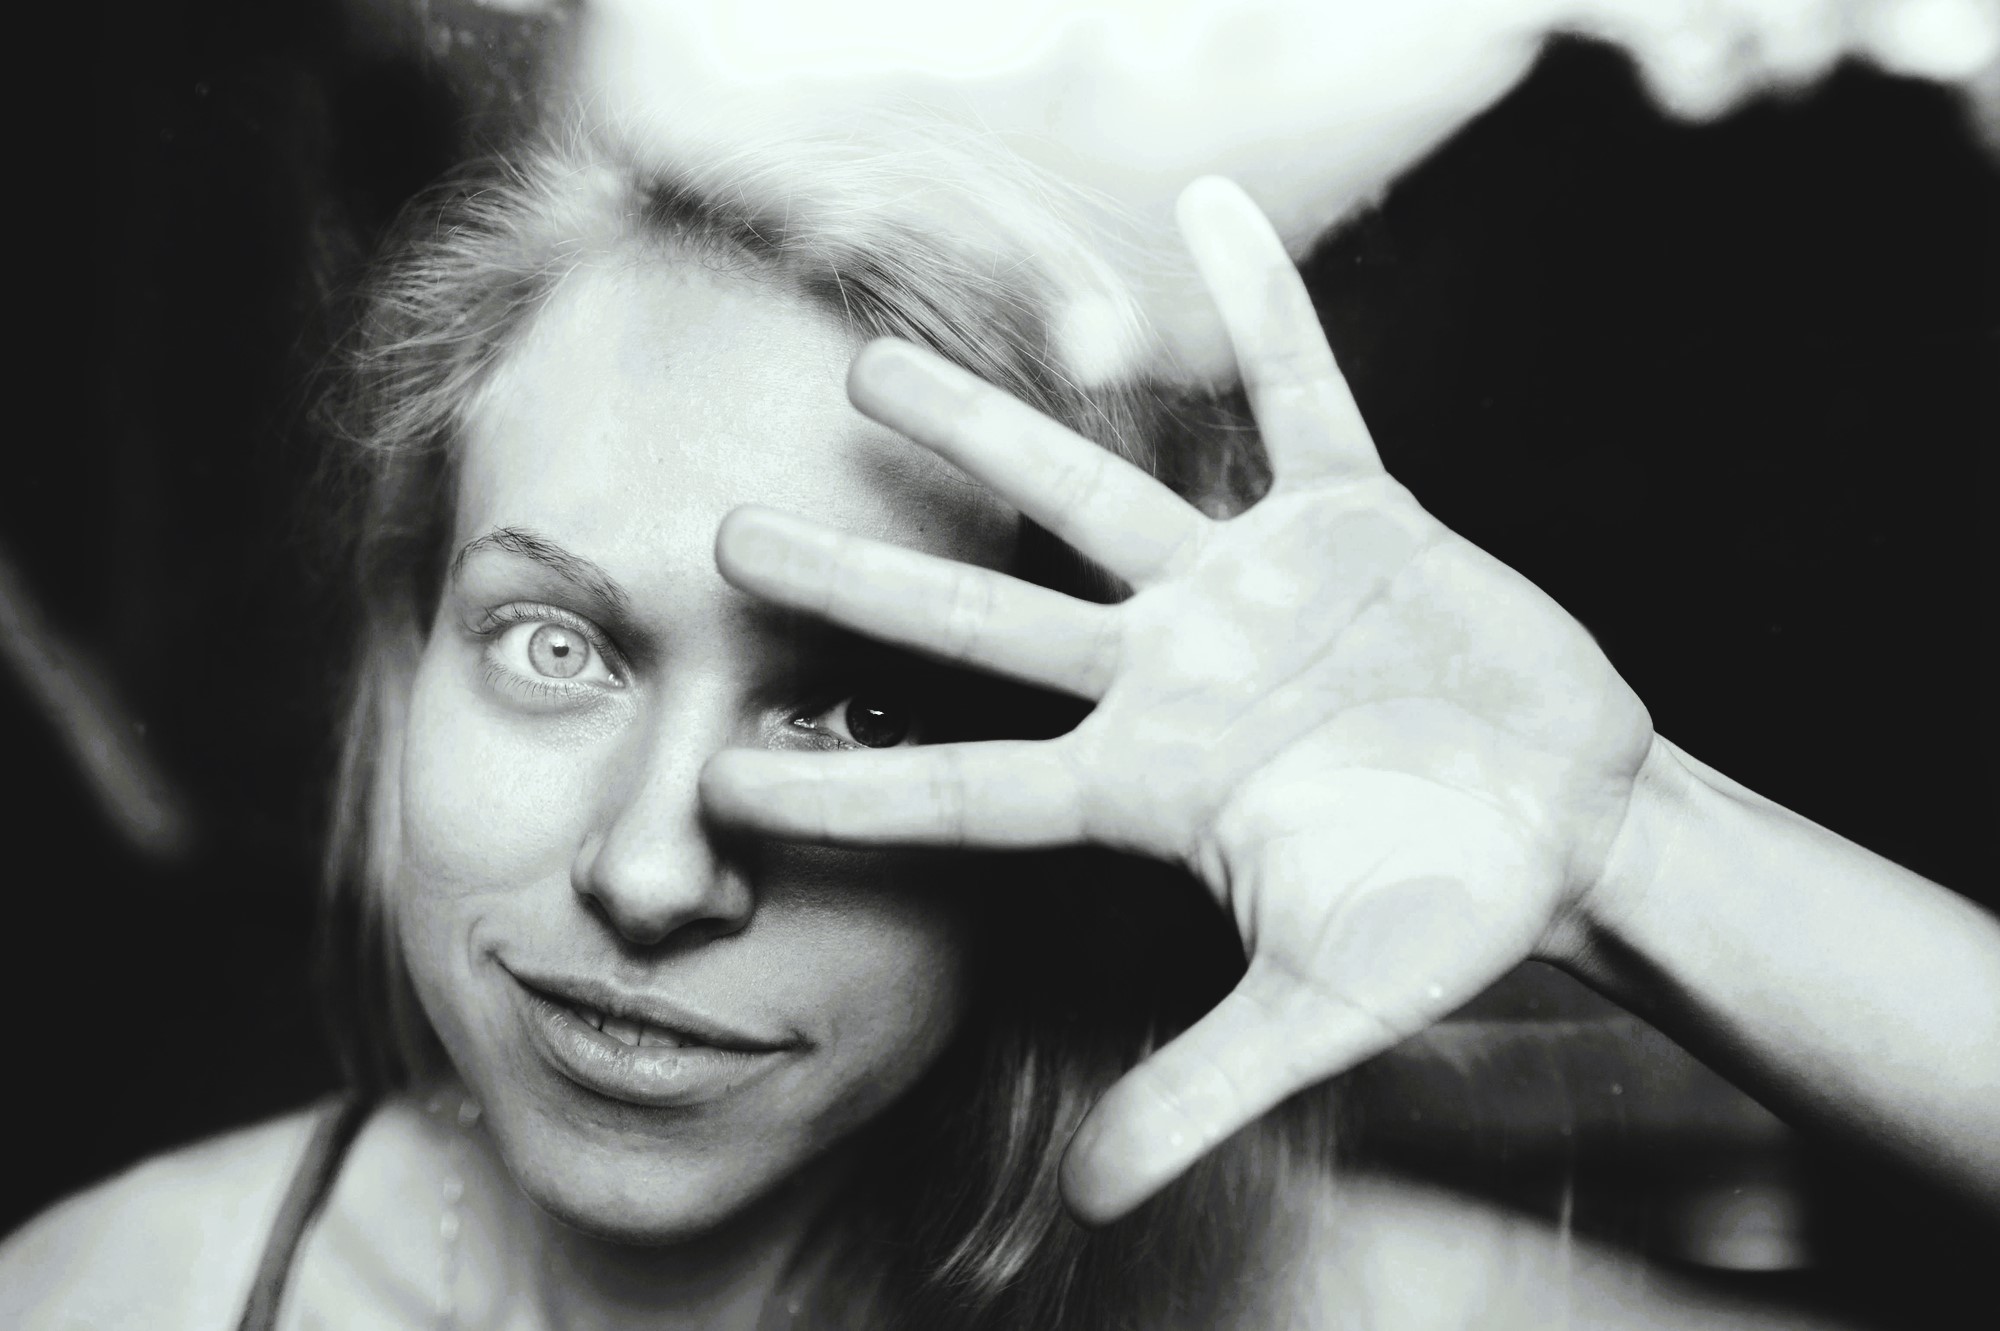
(1313, 105)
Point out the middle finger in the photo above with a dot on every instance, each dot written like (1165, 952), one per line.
(958, 613)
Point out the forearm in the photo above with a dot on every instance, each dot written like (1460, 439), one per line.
(1834, 985)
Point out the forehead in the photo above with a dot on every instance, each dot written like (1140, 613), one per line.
(653, 394)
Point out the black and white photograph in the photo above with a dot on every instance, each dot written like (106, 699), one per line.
(1125, 665)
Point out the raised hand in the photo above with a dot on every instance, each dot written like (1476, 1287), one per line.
(1397, 764)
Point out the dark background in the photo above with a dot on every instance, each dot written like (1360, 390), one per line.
(1727, 392)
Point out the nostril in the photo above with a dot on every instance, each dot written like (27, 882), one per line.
(653, 866)
(647, 895)
(652, 931)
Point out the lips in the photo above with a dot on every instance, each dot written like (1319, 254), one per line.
(640, 1050)
(648, 1020)
(629, 1032)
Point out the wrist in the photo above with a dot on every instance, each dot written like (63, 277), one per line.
(1606, 924)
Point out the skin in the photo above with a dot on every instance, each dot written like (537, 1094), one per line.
(554, 825)
(1398, 765)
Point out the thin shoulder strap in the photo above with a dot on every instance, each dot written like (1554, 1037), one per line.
(311, 1182)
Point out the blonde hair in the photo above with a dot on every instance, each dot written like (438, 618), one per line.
(950, 244)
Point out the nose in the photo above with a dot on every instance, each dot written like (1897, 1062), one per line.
(652, 866)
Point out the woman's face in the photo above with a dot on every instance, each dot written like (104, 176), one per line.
(664, 1023)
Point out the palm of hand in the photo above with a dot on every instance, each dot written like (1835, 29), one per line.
(1395, 777)
(1341, 640)
(1394, 761)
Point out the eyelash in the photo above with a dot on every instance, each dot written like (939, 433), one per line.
(820, 739)
(493, 625)
(826, 702)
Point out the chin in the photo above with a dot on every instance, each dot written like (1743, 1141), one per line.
(651, 1191)
(665, 1219)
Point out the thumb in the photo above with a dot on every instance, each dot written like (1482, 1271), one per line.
(1271, 1037)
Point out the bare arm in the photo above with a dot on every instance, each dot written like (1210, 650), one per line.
(1837, 986)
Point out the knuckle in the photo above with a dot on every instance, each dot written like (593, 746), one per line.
(1104, 655)
(1078, 479)
(1295, 383)
(1187, 548)
(947, 792)
(842, 565)
(1202, 1095)
(968, 608)
(979, 413)
(1076, 783)
(1173, 1096)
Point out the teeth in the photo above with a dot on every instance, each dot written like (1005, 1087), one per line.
(635, 1033)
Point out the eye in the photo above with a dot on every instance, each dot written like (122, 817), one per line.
(867, 721)
(539, 650)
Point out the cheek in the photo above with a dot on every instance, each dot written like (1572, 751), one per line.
(885, 956)
(483, 815)
(481, 806)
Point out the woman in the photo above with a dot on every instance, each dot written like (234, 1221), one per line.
(673, 1005)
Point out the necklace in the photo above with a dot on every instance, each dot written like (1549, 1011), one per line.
(451, 1191)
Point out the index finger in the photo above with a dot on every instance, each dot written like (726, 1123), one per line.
(977, 795)
(1305, 412)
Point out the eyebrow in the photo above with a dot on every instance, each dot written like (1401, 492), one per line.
(569, 566)
(842, 645)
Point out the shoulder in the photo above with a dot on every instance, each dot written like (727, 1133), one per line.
(171, 1242)
(1391, 1253)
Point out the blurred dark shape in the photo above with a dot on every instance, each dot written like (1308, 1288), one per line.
(495, 56)
(245, 160)
(1726, 393)
(106, 747)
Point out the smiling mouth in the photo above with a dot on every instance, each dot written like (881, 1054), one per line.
(591, 1036)
(644, 1021)
(625, 1031)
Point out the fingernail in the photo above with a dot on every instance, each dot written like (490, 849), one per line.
(1207, 199)
(751, 539)
(763, 540)
(896, 374)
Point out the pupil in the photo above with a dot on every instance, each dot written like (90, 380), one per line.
(552, 651)
(875, 726)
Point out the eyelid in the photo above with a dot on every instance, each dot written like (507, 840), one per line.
(493, 620)
(830, 700)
